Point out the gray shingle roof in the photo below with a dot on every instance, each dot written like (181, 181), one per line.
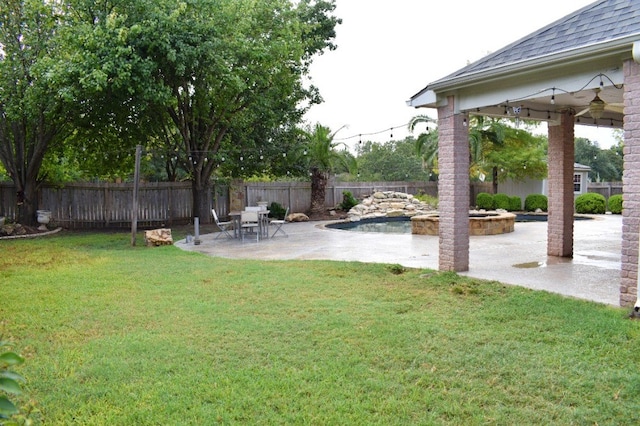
(601, 21)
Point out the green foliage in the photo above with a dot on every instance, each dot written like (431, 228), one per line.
(348, 201)
(393, 161)
(485, 201)
(426, 145)
(615, 204)
(501, 150)
(502, 201)
(591, 203)
(8, 381)
(606, 164)
(428, 199)
(534, 202)
(276, 211)
(515, 204)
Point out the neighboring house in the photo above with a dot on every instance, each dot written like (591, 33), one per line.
(580, 179)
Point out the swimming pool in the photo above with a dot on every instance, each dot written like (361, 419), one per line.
(402, 225)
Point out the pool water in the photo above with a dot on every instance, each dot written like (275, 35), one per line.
(388, 225)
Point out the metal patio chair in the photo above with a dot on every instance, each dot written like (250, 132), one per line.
(278, 223)
(250, 223)
(224, 226)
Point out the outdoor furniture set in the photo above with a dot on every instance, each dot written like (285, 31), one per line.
(253, 221)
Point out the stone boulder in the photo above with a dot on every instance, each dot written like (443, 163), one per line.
(158, 237)
(297, 217)
(388, 204)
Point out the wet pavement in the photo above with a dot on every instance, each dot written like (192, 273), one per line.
(518, 258)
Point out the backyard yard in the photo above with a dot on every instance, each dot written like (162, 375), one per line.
(120, 335)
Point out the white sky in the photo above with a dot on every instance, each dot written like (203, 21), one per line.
(389, 50)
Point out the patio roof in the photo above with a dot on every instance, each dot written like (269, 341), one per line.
(561, 66)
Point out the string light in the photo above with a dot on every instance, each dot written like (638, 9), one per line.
(371, 133)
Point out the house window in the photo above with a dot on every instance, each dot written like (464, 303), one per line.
(577, 183)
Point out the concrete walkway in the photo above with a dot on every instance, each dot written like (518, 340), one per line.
(517, 258)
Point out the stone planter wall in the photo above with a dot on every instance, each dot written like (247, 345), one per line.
(491, 223)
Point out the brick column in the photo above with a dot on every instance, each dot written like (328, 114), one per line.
(630, 185)
(453, 189)
(560, 177)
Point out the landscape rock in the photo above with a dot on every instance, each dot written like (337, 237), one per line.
(158, 237)
(388, 204)
(297, 217)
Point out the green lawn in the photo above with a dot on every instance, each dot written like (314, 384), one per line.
(115, 335)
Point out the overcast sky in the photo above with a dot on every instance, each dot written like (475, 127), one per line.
(390, 50)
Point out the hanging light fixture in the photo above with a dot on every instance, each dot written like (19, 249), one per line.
(596, 107)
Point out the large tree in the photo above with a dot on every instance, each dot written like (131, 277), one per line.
(222, 78)
(606, 164)
(233, 73)
(392, 161)
(32, 114)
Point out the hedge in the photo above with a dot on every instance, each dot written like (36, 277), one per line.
(591, 203)
(534, 202)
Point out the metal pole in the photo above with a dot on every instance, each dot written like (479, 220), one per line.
(196, 224)
(134, 208)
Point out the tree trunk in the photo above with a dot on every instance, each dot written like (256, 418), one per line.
(27, 202)
(495, 180)
(197, 191)
(318, 187)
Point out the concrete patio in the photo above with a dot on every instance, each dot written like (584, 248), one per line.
(518, 258)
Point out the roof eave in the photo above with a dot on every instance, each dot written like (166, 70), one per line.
(428, 97)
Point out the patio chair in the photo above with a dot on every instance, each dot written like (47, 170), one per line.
(250, 222)
(278, 224)
(224, 226)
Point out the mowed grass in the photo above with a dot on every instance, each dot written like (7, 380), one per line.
(120, 335)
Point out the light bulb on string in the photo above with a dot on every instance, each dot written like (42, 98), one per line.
(553, 96)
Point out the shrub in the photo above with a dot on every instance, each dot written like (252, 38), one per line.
(428, 199)
(534, 202)
(515, 204)
(485, 201)
(615, 204)
(591, 202)
(348, 201)
(501, 201)
(276, 211)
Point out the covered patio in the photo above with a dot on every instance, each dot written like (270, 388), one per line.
(583, 69)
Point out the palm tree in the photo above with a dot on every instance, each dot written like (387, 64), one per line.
(323, 158)
(427, 143)
(485, 135)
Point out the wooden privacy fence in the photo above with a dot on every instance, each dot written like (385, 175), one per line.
(607, 189)
(103, 205)
(297, 195)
